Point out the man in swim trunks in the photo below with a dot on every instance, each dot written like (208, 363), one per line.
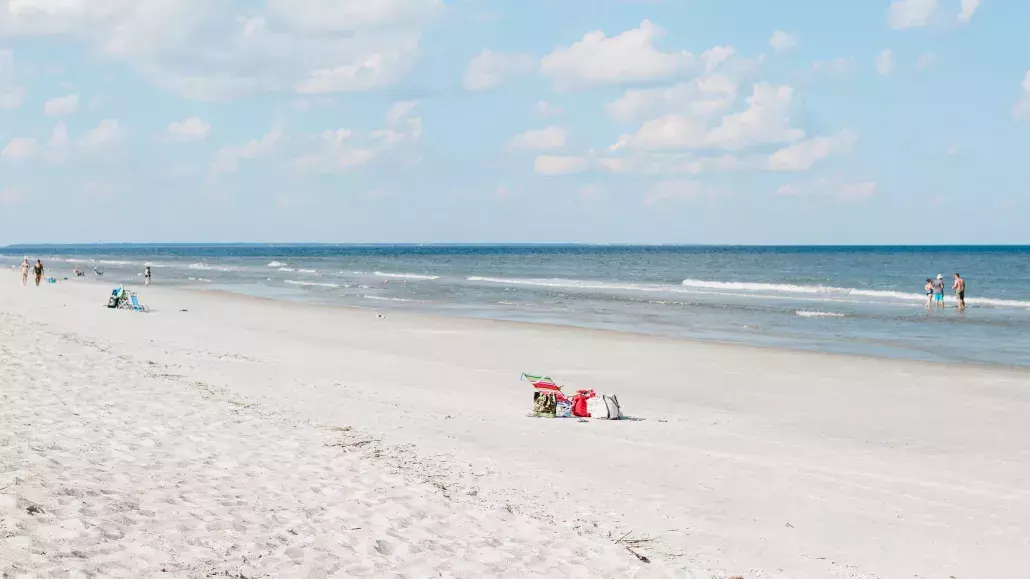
(938, 292)
(960, 291)
(37, 270)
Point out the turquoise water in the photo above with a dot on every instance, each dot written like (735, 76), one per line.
(860, 300)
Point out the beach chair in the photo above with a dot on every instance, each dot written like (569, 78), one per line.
(136, 306)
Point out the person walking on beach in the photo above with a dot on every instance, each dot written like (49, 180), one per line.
(960, 291)
(928, 288)
(938, 292)
(37, 270)
(25, 272)
(146, 276)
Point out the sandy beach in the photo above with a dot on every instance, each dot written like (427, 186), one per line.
(255, 438)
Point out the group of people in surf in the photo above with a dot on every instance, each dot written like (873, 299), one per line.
(935, 292)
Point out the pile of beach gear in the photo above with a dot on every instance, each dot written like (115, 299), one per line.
(550, 402)
(124, 299)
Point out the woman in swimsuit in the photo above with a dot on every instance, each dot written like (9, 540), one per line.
(25, 271)
(928, 288)
(37, 270)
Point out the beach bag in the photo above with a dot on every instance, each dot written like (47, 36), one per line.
(605, 407)
(545, 404)
(579, 403)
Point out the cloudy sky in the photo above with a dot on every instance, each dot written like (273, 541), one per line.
(675, 121)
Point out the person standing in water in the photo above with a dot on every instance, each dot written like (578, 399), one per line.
(928, 288)
(938, 292)
(25, 272)
(146, 276)
(960, 291)
(37, 270)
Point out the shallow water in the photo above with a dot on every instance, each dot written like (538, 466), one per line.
(861, 300)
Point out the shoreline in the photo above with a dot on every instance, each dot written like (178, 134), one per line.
(882, 468)
(557, 326)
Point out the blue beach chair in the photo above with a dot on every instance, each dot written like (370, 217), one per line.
(136, 306)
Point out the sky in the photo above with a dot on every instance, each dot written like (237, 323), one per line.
(596, 121)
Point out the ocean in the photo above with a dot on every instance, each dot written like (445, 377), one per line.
(847, 299)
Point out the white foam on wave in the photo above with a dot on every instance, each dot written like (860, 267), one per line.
(839, 291)
(407, 275)
(385, 299)
(286, 269)
(276, 264)
(200, 279)
(311, 284)
(810, 314)
(307, 271)
(574, 284)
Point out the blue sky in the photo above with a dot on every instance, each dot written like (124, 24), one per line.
(650, 121)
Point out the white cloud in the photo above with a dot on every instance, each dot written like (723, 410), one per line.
(885, 62)
(540, 139)
(910, 13)
(555, 165)
(546, 109)
(700, 97)
(925, 61)
(191, 129)
(678, 190)
(766, 120)
(967, 9)
(109, 132)
(802, 155)
(840, 65)
(11, 96)
(11, 196)
(61, 106)
(20, 148)
(1022, 108)
(628, 57)
(831, 187)
(782, 41)
(680, 163)
(489, 69)
(227, 160)
(340, 150)
(206, 50)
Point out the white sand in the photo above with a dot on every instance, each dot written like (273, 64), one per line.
(750, 462)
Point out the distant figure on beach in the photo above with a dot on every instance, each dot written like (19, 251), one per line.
(97, 271)
(938, 292)
(146, 275)
(928, 288)
(37, 270)
(25, 271)
(960, 291)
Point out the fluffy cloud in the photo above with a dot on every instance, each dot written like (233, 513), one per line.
(967, 9)
(61, 106)
(885, 62)
(11, 196)
(766, 120)
(489, 69)
(11, 96)
(19, 148)
(191, 129)
(228, 159)
(202, 49)
(628, 57)
(540, 139)
(109, 132)
(782, 41)
(658, 163)
(802, 155)
(831, 187)
(700, 97)
(910, 13)
(1022, 108)
(340, 150)
(555, 165)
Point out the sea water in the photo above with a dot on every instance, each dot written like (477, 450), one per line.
(857, 300)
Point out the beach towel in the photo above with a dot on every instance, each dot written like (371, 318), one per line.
(579, 403)
(545, 404)
(563, 409)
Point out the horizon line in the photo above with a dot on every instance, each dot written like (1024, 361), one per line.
(481, 244)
